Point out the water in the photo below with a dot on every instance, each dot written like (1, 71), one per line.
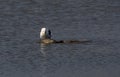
(22, 56)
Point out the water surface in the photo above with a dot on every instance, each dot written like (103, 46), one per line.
(22, 56)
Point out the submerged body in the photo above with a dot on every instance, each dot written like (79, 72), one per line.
(49, 41)
(45, 37)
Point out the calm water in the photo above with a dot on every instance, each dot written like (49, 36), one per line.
(96, 20)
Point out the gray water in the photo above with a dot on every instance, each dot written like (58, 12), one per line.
(96, 20)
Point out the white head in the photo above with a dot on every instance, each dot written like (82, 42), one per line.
(45, 33)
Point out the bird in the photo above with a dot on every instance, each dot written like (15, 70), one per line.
(45, 33)
(46, 38)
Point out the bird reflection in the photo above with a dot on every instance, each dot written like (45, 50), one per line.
(44, 62)
(42, 49)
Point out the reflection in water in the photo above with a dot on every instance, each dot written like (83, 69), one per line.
(44, 68)
(42, 49)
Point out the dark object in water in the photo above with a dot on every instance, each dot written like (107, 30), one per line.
(49, 41)
(72, 41)
(45, 37)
